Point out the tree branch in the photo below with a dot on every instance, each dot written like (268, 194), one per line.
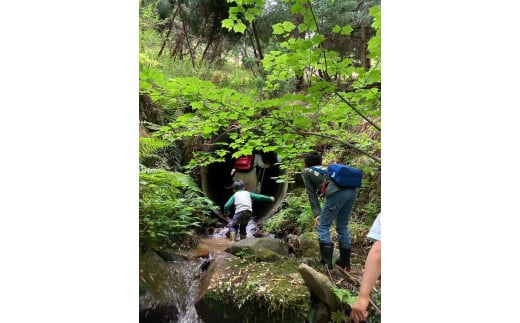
(375, 158)
(343, 143)
(357, 111)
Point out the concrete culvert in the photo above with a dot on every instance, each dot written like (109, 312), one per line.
(218, 177)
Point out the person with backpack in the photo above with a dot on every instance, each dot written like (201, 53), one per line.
(338, 205)
(243, 203)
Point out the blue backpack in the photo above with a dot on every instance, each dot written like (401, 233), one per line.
(343, 175)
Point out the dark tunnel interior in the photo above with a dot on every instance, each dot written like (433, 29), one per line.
(217, 176)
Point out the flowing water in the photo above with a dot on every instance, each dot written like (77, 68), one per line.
(184, 275)
(185, 287)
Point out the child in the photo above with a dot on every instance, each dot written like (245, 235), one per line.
(242, 200)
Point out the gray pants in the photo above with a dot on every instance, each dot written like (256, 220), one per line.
(240, 221)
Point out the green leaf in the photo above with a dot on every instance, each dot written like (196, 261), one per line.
(288, 26)
(228, 23)
(278, 29)
(297, 8)
(203, 110)
(317, 39)
(239, 27)
(207, 130)
(235, 10)
(186, 117)
(249, 16)
(375, 12)
(346, 30)
(196, 105)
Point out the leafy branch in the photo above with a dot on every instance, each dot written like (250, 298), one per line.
(356, 110)
(375, 158)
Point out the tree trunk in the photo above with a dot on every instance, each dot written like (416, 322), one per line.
(183, 21)
(172, 19)
(299, 20)
(363, 48)
(210, 41)
(255, 33)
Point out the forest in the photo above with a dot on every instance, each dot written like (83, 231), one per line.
(278, 77)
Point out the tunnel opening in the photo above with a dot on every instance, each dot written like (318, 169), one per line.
(218, 177)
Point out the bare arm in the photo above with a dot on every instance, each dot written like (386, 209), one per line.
(370, 276)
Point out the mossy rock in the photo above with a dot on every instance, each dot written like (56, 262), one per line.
(155, 298)
(152, 274)
(249, 246)
(263, 254)
(253, 292)
(309, 245)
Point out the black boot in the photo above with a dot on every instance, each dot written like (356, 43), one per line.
(326, 250)
(344, 258)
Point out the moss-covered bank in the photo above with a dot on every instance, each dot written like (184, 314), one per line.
(248, 291)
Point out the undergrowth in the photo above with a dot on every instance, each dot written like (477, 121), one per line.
(171, 205)
(294, 216)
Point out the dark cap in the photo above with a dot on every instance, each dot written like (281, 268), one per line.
(238, 184)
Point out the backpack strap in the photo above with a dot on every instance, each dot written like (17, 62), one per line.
(319, 170)
(324, 184)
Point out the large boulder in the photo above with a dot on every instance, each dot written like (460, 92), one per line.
(237, 289)
(320, 286)
(309, 245)
(256, 245)
(155, 302)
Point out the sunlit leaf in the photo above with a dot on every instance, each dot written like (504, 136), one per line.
(239, 27)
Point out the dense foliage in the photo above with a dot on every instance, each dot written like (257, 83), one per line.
(292, 75)
(170, 205)
(307, 92)
(294, 216)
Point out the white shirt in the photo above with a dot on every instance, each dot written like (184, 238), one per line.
(375, 230)
(243, 201)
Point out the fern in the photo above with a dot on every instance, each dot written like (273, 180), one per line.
(147, 146)
(170, 206)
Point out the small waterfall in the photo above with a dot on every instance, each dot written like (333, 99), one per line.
(184, 288)
(171, 282)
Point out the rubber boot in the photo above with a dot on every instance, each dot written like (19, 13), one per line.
(243, 236)
(326, 250)
(232, 236)
(344, 258)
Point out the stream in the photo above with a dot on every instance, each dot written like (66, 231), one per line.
(181, 281)
(184, 273)
(184, 288)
